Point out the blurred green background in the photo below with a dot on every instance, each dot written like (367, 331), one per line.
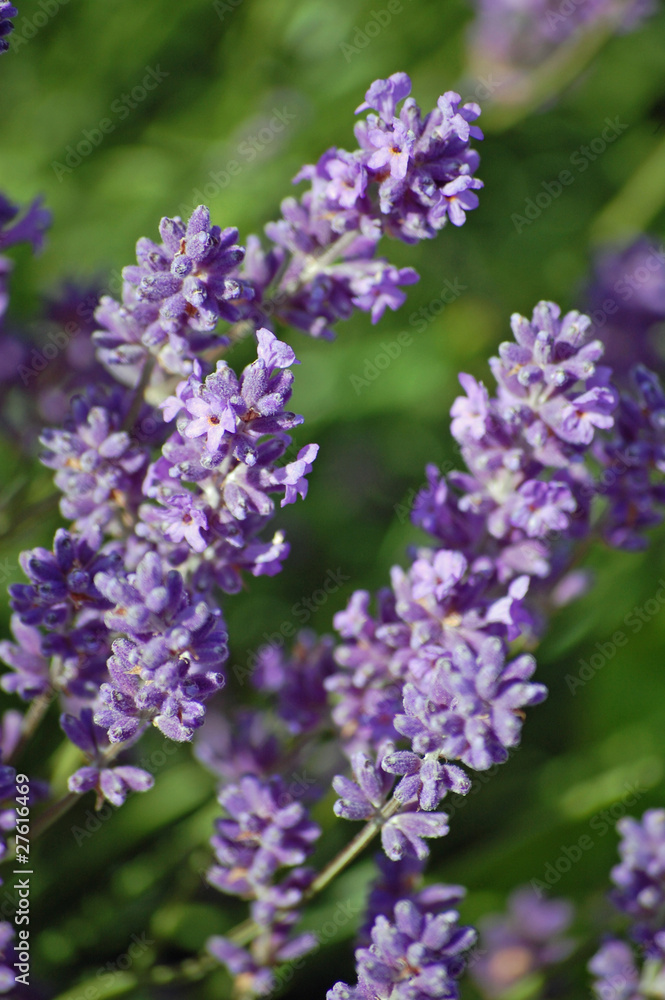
(224, 70)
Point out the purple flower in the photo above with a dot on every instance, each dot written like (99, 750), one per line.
(25, 657)
(265, 830)
(385, 95)
(616, 972)
(7, 10)
(7, 932)
(425, 781)
(298, 680)
(111, 783)
(31, 227)
(171, 659)
(406, 832)
(527, 938)
(252, 969)
(521, 35)
(469, 708)
(99, 467)
(174, 297)
(627, 302)
(363, 797)
(407, 179)
(633, 460)
(417, 954)
(62, 581)
(640, 879)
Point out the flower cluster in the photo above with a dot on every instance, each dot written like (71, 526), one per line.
(639, 893)
(432, 666)
(640, 879)
(366, 798)
(265, 830)
(410, 175)
(633, 462)
(169, 466)
(167, 506)
(626, 301)
(175, 296)
(30, 228)
(230, 435)
(418, 953)
(617, 976)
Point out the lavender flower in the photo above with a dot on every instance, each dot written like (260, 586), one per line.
(640, 879)
(109, 783)
(175, 295)
(298, 680)
(626, 298)
(99, 466)
(253, 973)
(7, 805)
(7, 10)
(266, 830)
(169, 658)
(230, 435)
(408, 178)
(617, 975)
(468, 709)
(32, 226)
(405, 828)
(524, 940)
(521, 33)
(418, 954)
(633, 461)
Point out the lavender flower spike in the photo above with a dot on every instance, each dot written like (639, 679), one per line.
(418, 954)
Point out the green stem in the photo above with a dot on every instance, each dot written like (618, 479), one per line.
(637, 203)
(529, 91)
(31, 722)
